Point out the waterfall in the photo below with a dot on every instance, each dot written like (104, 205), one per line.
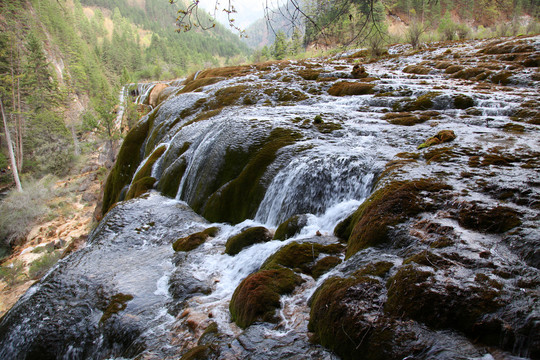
(314, 183)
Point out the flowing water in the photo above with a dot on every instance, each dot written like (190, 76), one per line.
(127, 294)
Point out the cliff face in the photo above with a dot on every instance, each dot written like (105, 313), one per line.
(401, 194)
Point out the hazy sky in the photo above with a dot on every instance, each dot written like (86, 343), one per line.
(248, 11)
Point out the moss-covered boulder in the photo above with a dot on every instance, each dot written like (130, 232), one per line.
(422, 296)
(258, 296)
(344, 88)
(248, 237)
(346, 317)
(495, 220)
(324, 265)
(441, 137)
(422, 102)
(388, 206)
(463, 101)
(301, 257)
(193, 241)
(126, 164)
(290, 227)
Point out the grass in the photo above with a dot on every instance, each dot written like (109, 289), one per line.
(39, 267)
(20, 211)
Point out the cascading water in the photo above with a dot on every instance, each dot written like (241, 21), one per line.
(295, 150)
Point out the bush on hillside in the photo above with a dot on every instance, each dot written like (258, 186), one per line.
(20, 211)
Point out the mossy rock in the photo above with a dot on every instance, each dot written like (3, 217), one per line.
(379, 269)
(290, 227)
(452, 69)
(246, 238)
(422, 102)
(146, 169)
(190, 242)
(140, 187)
(495, 220)
(309, 74)
(388, 206)
(405, 118)
(126, 164)
(419, 295)
(428, 258)
(199, 352)
(463, 101)
(471, 73)
(324, 265)
(327, 127)
(258, 296)
(501, 78)
(239, 198)
(194, 85)
(172, 176)
(344, 88)
(346, 317)
(117, 303)
(301, 257)
(441, 137)
(417, 69)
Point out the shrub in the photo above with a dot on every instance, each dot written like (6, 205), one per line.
(20, 211)
(40, 267)
(13, 273)
(413, 34)
(447, 28)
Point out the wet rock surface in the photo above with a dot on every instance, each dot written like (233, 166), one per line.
(436, 251)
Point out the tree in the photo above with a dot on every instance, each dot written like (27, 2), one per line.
(279, 49)
(10, 149)
(316, 16)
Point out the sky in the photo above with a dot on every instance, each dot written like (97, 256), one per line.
(248, 11)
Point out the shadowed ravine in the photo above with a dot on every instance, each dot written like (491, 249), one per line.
(400, 214)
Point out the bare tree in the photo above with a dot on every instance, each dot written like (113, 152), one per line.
(299, 13)
(10, 148)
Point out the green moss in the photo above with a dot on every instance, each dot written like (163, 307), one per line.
(389, 206)
(190, 242)
(502, 78)
(427, 258)
(441, 137)
(441, 242)
(416, 69)
(338, 322)
(290, 227)
(443, 154)
(309, 74)
(140, 187)
(379, 269)
(193, 85)
(469, 73)
(452, 69)
(172, 175)
(324, 265)
(199, 352)
(258, 296)
(463, 101)
(405, 118)
(423, 102)
(117, 303)
(318, 120)
(496, 220)
(247, 238)
(344, 88)
(239, 199)
(300, 257)
(146, 169)
(126, 164)
(211, 231)
(418, 295)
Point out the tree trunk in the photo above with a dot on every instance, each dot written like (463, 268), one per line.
(10, 148)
